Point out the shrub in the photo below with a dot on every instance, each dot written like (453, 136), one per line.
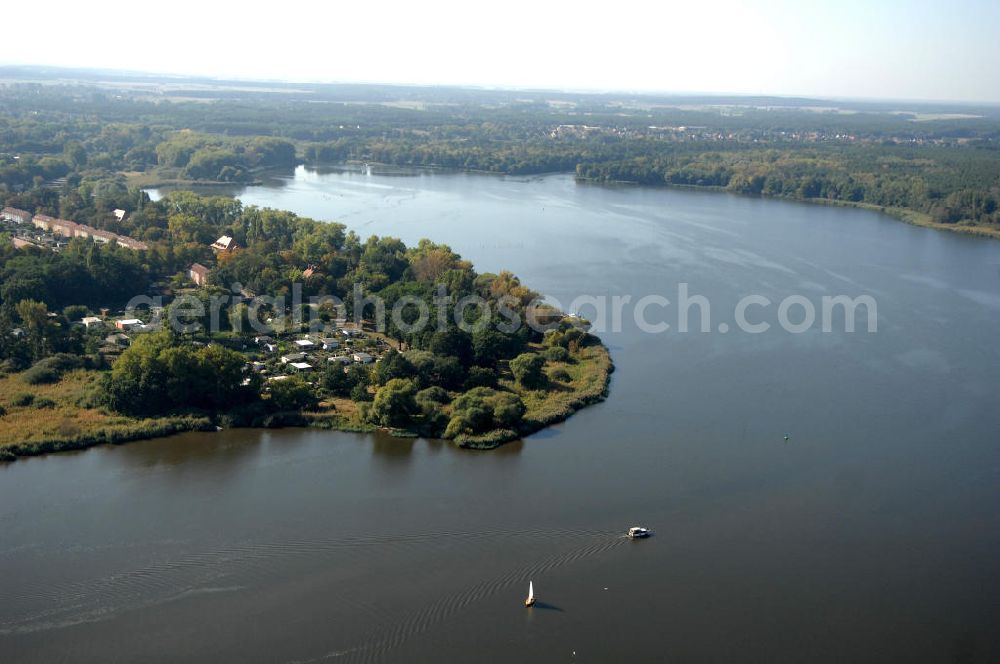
(482, 409)
(434, 394)
(23, 399)
(51, 369)
(560, 374)
(480, 377)
(43, 402)
(360, 393)
(556, 354)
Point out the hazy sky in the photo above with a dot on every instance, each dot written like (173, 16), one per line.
(892, 49)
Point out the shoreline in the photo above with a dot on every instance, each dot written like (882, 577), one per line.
(905, 215)
(152, 180)
(140, 430)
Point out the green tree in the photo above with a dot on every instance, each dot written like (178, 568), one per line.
(158, 374)
(528, 370)
(292, 393)
(38, 326)
(393, 365)
(394, 404)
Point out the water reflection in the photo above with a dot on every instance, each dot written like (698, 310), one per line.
(392, 450)
(221, 449)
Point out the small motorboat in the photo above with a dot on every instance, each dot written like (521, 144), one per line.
(531, 595)
(638, 532)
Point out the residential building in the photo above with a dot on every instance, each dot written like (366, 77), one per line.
(225, 243)
(92, 322)
(99, 236)
(129, 243)
(117, 339)
(64, 227)
(198, 274)
(16, 216)
(42, 221)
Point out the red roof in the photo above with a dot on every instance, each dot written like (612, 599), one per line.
(24, 214)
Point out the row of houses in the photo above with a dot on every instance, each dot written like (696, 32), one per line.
(16, 216)
(297, 361)
(70, 229)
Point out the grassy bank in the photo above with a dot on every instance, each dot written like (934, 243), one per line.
(169, 177)
(38, 419)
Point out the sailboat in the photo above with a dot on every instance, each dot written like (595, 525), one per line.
(531, 595)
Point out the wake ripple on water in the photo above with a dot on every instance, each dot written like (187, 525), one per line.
(230, 569)
(438, 611)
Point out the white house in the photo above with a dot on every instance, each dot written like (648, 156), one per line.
(363, 358)
(329, 343)
(300, 366)
(342, 359)
(127, 323)
(270, 348)
(305, 344)
(224, 243)
(92, 322)
(292, 357)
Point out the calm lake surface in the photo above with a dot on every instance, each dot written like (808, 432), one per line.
(872, 535)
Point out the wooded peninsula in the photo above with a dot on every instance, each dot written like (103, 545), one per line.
(82, 238)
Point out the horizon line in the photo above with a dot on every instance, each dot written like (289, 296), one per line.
(646, 92)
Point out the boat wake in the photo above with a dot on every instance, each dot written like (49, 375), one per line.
(235, 568)
(444, 607)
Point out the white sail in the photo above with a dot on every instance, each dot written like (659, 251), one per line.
(531, 592)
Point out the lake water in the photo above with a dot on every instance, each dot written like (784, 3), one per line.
(871, 535)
